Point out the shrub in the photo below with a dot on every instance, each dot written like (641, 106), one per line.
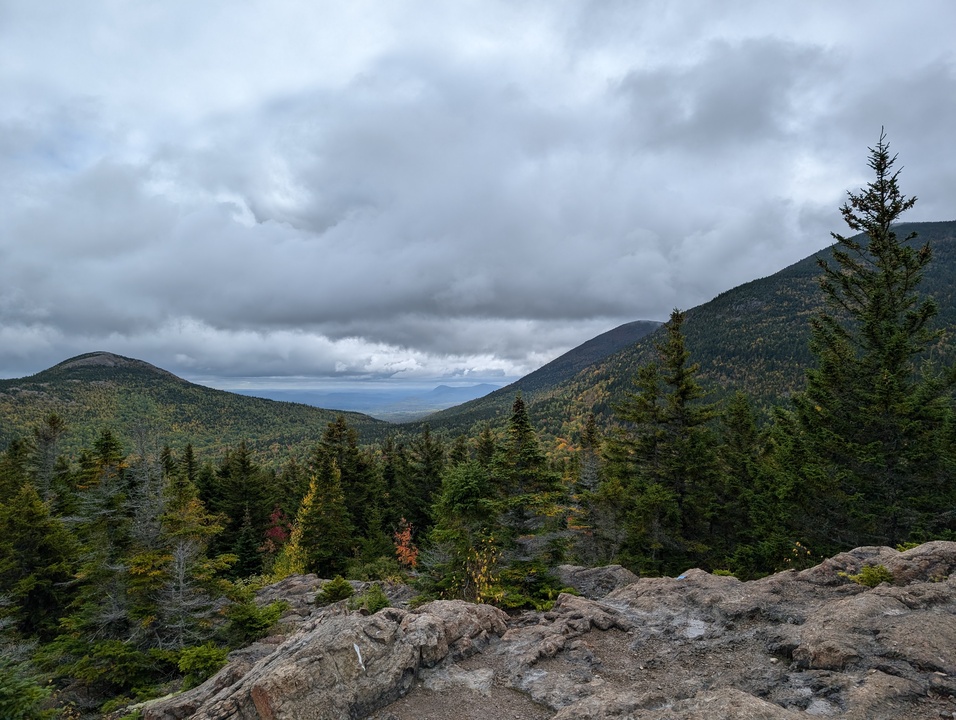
(372, 600)
(248, 622)
(199, 663)
(872, 575)
(381, 568)
(338, 588)
(903, 547)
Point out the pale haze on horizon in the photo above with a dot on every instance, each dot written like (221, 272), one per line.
(303, 194)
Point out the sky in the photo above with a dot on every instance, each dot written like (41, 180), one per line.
(299, 193)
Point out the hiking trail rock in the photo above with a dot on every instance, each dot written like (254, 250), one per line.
(792, 645)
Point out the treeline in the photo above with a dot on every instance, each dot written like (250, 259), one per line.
(123, 571)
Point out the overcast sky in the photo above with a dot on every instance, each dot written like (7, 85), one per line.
(271, 192)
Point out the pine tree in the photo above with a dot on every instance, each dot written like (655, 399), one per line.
(872, 419)
(241, 493)
(587, 516)
(45, 442)
(533, 508)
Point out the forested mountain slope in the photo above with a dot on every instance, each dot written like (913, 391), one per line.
(496, 406)
(754, 338)
(102, 390)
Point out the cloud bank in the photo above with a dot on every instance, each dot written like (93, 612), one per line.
(334, 191)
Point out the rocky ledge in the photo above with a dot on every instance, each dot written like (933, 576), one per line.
(792, 645)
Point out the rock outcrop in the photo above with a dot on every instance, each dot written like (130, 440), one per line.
(792, 645)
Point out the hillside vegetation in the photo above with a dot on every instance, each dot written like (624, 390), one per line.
(753, 338)
(102, 390)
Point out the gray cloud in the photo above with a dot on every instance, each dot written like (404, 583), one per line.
(378, 191)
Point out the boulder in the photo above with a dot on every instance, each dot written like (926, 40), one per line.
(339, 666)
(595, 582)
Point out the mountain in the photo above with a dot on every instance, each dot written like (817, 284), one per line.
(102, 390)
(398, 404)
(497, 405)
(754, 337)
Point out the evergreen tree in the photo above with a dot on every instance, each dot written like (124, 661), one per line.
(322, 530)
(291, 486)
(241, 494)
(459, 451)
(533, 514)
(45, 444)
(487, 447)
(587, 516)
(101, 611)
(739, 487)
(13, 468)
(872, 420)
(418, 486)
(185, 603)
(465, 513)
(355, 468)
(663, 458)
(37, 562)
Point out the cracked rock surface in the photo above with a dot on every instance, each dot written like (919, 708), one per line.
(791, 645)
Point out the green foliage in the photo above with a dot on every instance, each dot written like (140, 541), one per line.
(664, 458)
(200, 662)
(117, 667)
(528, 585)
(21, 696)
(903, 547)
(874, 419)
(421, 480)
(323, 532)
(87, 394)
(383, 568)
(872, 575)
(248, 622)
(371, 601)
(336, 589)
(38, 557)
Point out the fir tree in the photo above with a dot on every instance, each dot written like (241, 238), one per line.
(355, 469)
(872, 418)
(663, 457)
(37, 562)
(322, 532)
(45, 444)
(418, 486)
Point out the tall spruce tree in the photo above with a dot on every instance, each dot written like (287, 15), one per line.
(664, 459)
(872, 417)
(355, 468)
(323, 531)
(420, 484)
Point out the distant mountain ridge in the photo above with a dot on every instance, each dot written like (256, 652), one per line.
(395, 405)
(754, 337)
(101, 390)
(461, 418)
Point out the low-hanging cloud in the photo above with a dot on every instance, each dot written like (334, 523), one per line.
(440, 196)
